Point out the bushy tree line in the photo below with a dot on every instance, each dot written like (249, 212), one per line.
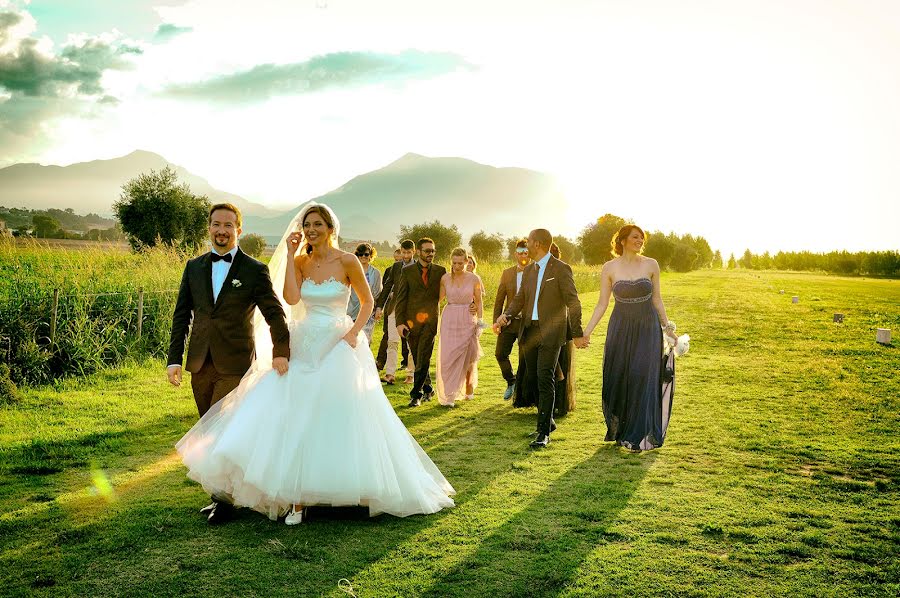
(59, 224)
(680, 253)
(872, 263)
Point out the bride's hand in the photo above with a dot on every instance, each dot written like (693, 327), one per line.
(351, 339)
(293, 242)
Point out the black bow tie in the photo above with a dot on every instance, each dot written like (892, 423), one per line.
(216, 257)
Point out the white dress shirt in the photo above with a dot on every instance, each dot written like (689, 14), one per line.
(220, 273)
(519, 279)
(542, 265)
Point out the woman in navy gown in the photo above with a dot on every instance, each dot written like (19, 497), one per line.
(632, 382)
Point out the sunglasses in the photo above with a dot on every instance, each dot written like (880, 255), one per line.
(428, 251)
(366, 254)
(521, 250)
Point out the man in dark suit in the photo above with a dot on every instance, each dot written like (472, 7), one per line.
(416, 311)
(548, 302)
(384, 307)
(219, 292)
(510, 281)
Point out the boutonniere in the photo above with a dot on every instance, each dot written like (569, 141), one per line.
(235, 282)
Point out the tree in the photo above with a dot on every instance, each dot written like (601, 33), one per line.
(487, 248)
(747, 260)
(596, 237)
(446, 238)
(661, 248)
(732, 263)
(569, 251)
(684, 259)
(45, 227)
(717, 260)
(153, 208)
(253, 244)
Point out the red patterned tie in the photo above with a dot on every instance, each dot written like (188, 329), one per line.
(425, 276)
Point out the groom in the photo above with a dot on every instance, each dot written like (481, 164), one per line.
(548, 302)
(219, 292)
(416, 311)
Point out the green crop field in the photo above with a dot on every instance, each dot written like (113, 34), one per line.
(779, 476)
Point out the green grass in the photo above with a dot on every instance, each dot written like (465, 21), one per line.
(780, 475)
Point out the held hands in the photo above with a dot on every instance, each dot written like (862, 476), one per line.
(402, 330)
(280, 365)
(582, 342)
(378, 312)
(293, 242)
(502, 321)
(174, 374)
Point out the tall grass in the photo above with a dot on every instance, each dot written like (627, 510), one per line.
(98, 305)
(97, 311)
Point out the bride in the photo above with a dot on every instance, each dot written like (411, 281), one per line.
(324, 433)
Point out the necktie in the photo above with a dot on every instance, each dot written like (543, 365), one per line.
(425, 276)
(216, 257)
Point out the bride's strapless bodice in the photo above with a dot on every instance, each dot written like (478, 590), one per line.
(327, 298)
(324, 324)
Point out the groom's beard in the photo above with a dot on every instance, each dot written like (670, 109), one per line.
(222, 241)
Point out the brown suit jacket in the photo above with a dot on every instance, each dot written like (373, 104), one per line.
(224, 328)
(506, 292)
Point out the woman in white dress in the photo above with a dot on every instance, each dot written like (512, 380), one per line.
(324, 433)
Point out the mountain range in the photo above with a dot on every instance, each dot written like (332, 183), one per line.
(413, 189)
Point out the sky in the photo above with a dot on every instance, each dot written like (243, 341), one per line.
(761, 124)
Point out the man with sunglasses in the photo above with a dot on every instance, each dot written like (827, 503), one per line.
(510, 281)
(416, 311)
(365, 253)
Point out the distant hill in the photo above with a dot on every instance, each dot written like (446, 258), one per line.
(371, 206)
(93, 187)
(417, 189)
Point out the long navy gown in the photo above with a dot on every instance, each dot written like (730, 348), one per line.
(632, 385)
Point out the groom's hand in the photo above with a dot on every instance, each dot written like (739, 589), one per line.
(402, 330)
(280, 365)
(582, 342)
(174, 373)
(502, 321)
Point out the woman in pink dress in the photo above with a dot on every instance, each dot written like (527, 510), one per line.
(459, 332)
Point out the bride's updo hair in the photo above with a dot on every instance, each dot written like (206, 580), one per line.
(618, 239)
(326, 216)
(459, 252)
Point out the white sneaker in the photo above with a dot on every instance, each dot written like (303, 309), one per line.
(295, 517)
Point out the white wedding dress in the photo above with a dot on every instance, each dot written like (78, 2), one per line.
(324, 433)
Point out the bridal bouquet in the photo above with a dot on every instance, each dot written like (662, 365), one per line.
(681, 344)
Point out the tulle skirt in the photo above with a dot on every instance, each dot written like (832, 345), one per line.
(324, 433)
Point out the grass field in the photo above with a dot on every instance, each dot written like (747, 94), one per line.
(780, 475)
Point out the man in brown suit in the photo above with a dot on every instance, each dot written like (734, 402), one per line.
(219, 293)
(510, 281)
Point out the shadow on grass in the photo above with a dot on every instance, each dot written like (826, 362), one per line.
(152, 539)
(539, 550)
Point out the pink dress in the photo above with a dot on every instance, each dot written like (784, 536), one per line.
(458, 346)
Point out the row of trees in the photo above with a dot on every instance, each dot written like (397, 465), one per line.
(154, 208)
(872, 263)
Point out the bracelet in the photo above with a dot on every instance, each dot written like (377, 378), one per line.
(670, 327)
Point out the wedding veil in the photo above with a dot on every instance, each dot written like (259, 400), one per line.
(261, 335)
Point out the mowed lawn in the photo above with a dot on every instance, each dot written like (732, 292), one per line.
(780, 475)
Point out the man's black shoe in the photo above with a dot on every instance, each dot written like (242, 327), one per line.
(414, 402)
(540, 442)
(221, 513)
(209, 508)
(537, 433)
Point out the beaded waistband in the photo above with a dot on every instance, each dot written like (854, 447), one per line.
(634, 299)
